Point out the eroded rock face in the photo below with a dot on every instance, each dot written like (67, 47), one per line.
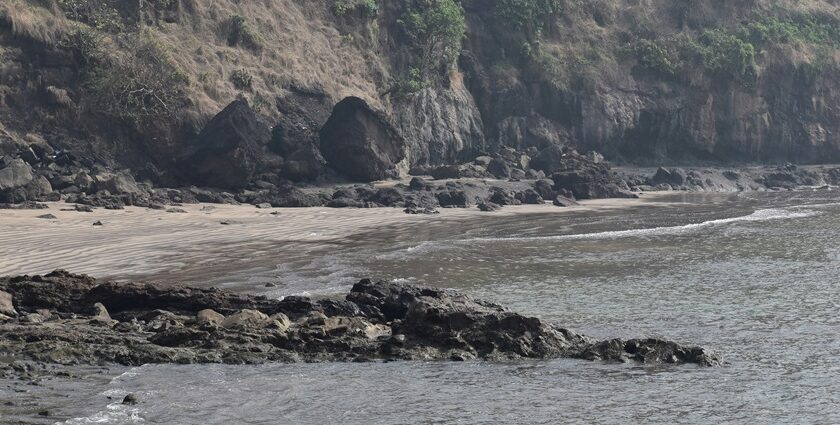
(375, 320)
(360, 143)
(229, 149)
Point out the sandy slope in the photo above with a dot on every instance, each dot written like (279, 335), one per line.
(138, 242)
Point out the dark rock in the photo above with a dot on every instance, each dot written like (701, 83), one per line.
(97, 223)
(229, 149)
(446, 172)
(529, 196)
(360, 143)
(550, 159)
(489, 207)
(388, 196)
(176, 210)
(499, 168)
(376, 320)
(15, 174)
(562, 201)
(590, 183)
(501, 196)
(545, 188)
(420, 210)
(418, 183)
(453, 199)
(48, 217)
(287, 196)
(26, 205)
(130, 399)
(674, 177)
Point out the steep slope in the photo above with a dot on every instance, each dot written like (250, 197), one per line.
(130, 83)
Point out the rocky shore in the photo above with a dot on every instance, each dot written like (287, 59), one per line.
(68, 319)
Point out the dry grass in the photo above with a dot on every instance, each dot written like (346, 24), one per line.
(302, 48)
(41, 24)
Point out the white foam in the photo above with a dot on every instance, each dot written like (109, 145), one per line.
(759, 215)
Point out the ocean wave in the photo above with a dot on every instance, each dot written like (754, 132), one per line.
(759, 215)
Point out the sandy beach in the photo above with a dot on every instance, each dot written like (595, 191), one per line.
(144, 243)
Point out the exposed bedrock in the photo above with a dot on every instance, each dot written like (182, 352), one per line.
(360, 143)
(229, 150)
(75, 319)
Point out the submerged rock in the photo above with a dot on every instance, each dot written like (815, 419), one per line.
(375, 320)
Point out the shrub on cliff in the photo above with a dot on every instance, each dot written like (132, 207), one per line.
(434, 30)
(243, 33)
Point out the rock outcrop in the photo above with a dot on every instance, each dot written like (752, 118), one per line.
(229, 150)
(74, 319)
(360, 143)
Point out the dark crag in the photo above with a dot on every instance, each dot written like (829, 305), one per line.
(73, 319)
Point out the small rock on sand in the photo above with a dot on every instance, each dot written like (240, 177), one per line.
(98, 223)
(130, 400)
(48, 217)
(209, 316)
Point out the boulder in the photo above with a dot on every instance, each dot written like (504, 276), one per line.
(446, 172)
(529, 196)
(489, 207)
(562, 201)
(14, 174)
(229, 149)
(453, 199)
(590, 183)
(118, 183)
(247, 319)
(100, 313)
(359, 142)
(499, 168)
(501, 196)
(418, 183)
(550, 159)
(210, 316)
(545, 188)
(7, 308)
(672, 177)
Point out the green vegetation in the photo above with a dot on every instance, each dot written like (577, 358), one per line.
(368, 8)
(807, 28)
(434, 30)
(243, 33)
(529, 16)
(242, 79)
(724, 53)
(656, 57)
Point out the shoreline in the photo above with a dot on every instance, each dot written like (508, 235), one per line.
(141, 243)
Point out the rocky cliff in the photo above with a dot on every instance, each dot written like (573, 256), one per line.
(132, 84)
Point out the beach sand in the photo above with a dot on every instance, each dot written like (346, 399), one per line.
(137, 243)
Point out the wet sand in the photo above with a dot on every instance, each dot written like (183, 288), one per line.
(155, 244)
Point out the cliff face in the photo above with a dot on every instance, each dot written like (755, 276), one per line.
(645, 81)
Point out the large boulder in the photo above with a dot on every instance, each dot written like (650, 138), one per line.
(360, 143)
(16, 173)
(18, 183)
(302, 112)
(229, 149)
(118, 183)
